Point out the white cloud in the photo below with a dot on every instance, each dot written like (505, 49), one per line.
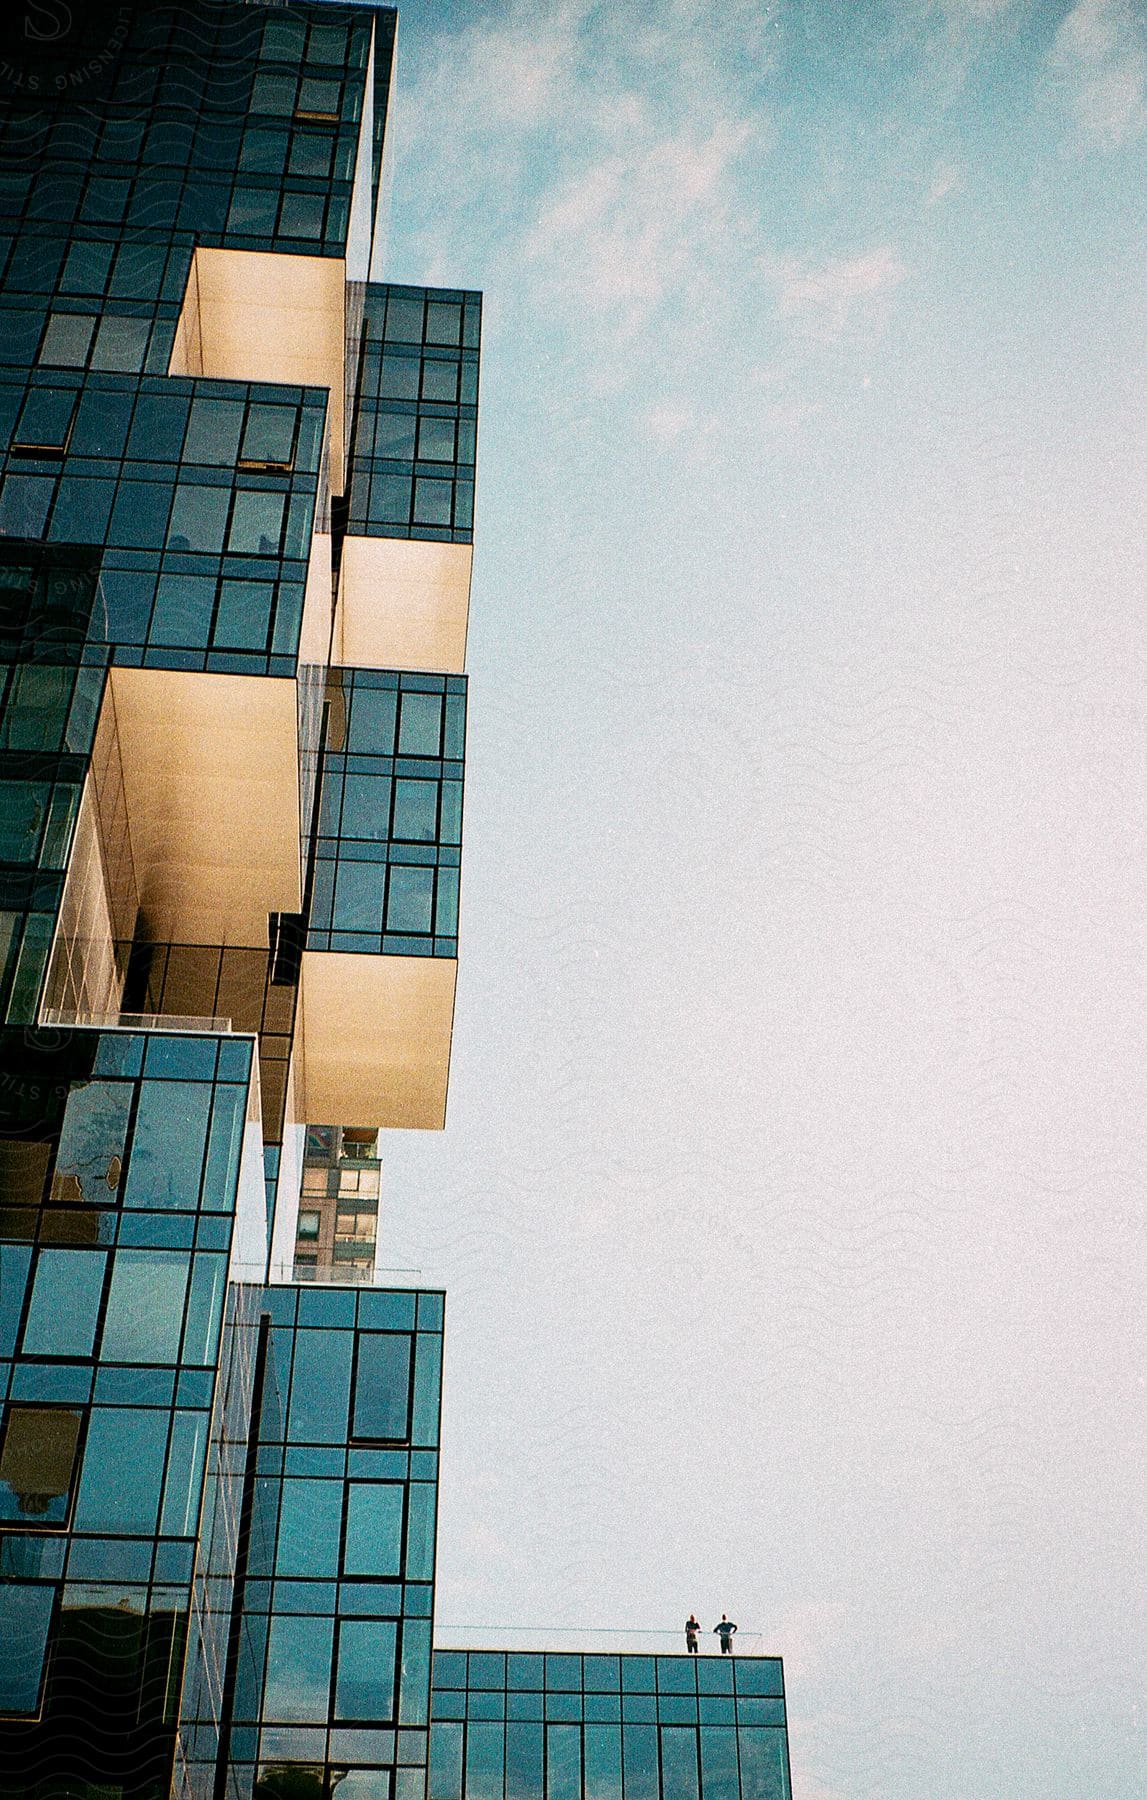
(946, 179)
(1097, 70)
(825, 296)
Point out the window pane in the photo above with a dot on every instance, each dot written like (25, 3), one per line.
(298, 1669)
(320, 1387)
(415, 811)
(524, 1761)
(121, 344)
(66, 339)
(640, 1746)
(270, 435)
(382, 1385)
(25, 1615)
(484, 1762)
(46, 418)
(167, 1147)
(65, 1303)
(372, 720)
(563, 1760)
(358, 896)
(420, 730)
(256, 523)
(374, 1529)
(122, 1471)
(309, 1522)
(718, 1763)
(410, 899)
(145, 1307)
(366, 808)
(365, 1685)
(432, 501)
(37, 1463)
(763, 1774)
(184, 1474)
(24, 503)
(678, 1763)
(213, 432)
(436, 443)
(89, 1162)
(394, 435)
(603, 1762)
(198, 517)
(445, 1762)
(420, 1532)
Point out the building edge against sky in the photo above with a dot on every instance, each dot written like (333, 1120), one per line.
(236, 516)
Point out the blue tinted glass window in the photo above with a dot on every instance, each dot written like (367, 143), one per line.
(14, 1264)
(409, 899)
(198, 518)
(445, 1762)
(359, 890)
(309, 1522)
(427, 1388)
(374, 1530)
(168, 1143)
(563, 1762)
(66, 339)
(213, 432)
(372, 720)
(270, 435)
(678, 1762)
(224, 1148)
(37, 1463)
(366, 807)
(719, 1779)
(297, 1686)
(122, 1471)
(763, 1771)
(23, 811)
(320, 1386)
(244, 616)
(145, 1307)
(762, 1675)
(205, 1309)
(484, 1761)
(420, 728)
(603, 1762)
(436, 440)
(415, 811)
(256, 523)
(121, 343)
(420, 1532)
(46, 419)
(524, 1746)
(65, 1303)
(364, 1688)
(25, 1615)
(639, 1743)
(185, 1464)
(394, 435)
(382, 1386)
(24, 503)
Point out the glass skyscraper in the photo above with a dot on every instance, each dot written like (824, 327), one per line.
(236, 512)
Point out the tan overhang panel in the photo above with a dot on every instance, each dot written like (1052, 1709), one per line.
(375, 1037)
(403, 604)
(254, 315)
(211, 782)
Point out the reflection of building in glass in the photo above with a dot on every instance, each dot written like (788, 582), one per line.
(338, 1211)
(236, 503)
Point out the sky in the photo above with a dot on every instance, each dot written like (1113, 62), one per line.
(791, 1199)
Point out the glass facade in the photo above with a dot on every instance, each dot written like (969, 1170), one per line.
(529, 1726)
(390, 820)
(123, 1229)
(415, 436)
(218, 1485)
(334, 1668)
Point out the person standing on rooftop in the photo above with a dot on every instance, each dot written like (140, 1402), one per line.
(726, 1629)
(691, 1630)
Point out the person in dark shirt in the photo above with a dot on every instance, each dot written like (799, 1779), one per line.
(691, 1630)
(726, 1629)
